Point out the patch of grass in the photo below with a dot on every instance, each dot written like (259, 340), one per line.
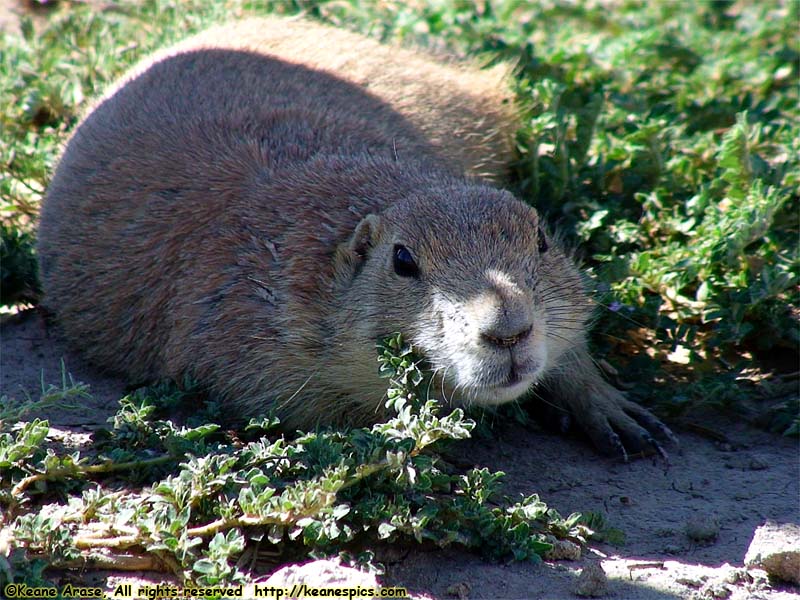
(209, 496)
(19, 283)
(64, 396)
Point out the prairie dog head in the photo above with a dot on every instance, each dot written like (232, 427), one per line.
(471, 277)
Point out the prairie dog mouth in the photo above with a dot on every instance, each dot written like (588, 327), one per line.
(500, 394)
(495, 391)
(490, 348)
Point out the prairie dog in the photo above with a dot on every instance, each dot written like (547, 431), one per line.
(257, 206)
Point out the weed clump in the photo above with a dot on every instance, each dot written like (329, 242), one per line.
(209, 495)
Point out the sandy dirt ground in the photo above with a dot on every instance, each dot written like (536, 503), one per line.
(739, 485)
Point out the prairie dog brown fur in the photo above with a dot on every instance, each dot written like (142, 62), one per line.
(465, 112)
(256, 213)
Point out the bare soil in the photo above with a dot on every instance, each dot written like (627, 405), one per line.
(739, 484)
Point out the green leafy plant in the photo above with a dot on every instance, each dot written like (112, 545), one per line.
(19, 282)
(318, 492)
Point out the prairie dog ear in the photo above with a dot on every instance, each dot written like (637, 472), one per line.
(351, 255)
(365, 236)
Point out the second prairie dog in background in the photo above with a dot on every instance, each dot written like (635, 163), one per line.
(259, 205)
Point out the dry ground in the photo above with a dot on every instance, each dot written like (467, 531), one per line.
(739, 484)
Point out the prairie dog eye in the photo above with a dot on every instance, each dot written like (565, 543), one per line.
(404, 264)
(542, 241)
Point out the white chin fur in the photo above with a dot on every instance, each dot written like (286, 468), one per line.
(473, 371)
(497, 395)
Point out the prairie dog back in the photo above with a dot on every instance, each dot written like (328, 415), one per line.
(467, 113)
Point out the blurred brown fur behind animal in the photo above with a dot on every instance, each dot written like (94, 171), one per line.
(259, 205)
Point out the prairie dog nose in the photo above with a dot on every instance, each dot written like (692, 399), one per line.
(505, 337)
(509, 318)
